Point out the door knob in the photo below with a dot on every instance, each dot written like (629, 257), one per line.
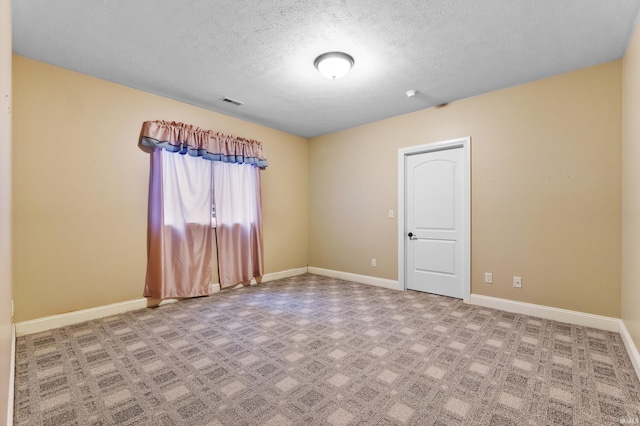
(410, 235)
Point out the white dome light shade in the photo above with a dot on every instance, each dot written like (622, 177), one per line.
(334, 65)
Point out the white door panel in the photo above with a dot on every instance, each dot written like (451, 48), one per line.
(433, 196)
(435, 218)
(437, 256)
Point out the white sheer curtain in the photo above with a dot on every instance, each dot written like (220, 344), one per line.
(179, 241)
(238, 222)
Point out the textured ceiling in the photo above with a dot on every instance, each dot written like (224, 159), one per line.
(261, 52)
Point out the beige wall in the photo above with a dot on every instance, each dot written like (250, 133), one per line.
(546, 189)
(631, 189)
(80, 188)
(6, 323)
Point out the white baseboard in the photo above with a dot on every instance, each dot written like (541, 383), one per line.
(266, 278)
(282, 275)
(55, 321)
(362, 279)
(547, 312)
(632, 350)
(12, 376)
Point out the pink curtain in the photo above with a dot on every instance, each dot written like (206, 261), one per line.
(185, 138)
(238, 222)
(179, 226)
(180, 204)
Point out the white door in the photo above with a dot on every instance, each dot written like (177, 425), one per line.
(435, 228)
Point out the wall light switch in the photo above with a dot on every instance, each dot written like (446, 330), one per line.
(488, 277)
(391, 214)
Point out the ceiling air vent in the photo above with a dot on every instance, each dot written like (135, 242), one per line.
(231, 101)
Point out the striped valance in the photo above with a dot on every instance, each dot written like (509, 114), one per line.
(187, 139)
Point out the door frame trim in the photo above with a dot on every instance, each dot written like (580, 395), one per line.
(465, 144)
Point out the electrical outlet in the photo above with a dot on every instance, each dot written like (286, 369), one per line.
(373, 263)
(391, 214)
(517, 282)
(488, 277)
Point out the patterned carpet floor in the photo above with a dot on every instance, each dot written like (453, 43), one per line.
(321, 351)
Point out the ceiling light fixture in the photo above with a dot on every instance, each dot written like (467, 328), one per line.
(334, 65)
